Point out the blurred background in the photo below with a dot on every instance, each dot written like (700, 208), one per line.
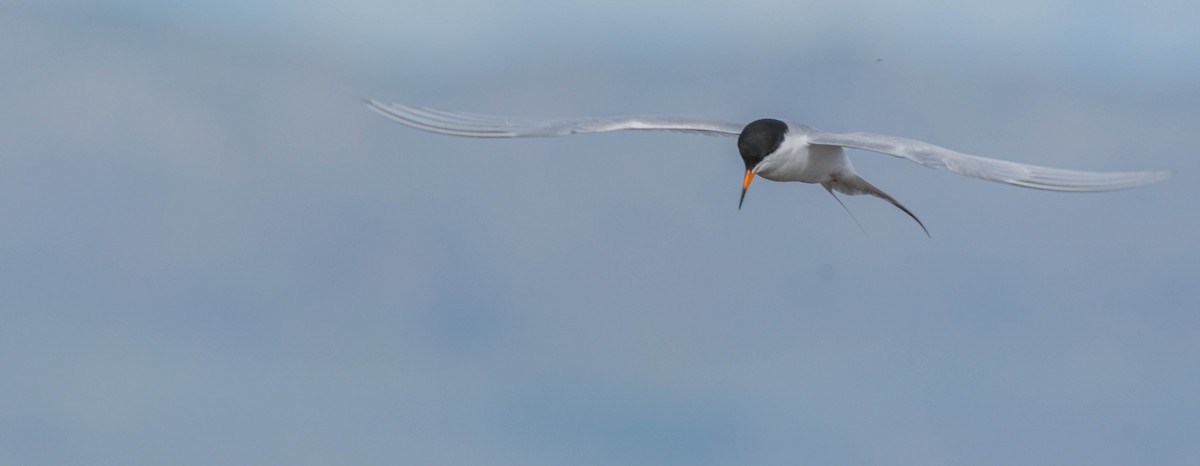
(211, 253)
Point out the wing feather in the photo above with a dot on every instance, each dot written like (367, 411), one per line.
(1030, 176)
(496, 126)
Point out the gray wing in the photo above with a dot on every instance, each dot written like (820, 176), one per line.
(494, 126)
(1030, 176)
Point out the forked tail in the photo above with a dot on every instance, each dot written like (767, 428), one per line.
(854, 185)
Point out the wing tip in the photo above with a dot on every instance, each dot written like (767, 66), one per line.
(375, 105)
(1097, 181)
(1148, 178)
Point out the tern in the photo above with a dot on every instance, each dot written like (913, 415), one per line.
(779, 150)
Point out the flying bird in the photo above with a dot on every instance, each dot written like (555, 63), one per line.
(779, 150)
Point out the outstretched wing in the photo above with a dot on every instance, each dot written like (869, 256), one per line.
(1030, 176)
(494, 126)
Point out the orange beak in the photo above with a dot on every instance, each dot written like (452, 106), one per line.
(745, 185)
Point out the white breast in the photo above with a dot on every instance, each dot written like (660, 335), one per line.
(797, 160)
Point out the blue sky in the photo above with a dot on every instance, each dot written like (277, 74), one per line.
(213, 254)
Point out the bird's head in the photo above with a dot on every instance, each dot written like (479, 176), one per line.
(758, 140)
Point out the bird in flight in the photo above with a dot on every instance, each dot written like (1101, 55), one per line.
(779, 150)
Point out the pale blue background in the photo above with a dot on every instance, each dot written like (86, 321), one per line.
(211, 253)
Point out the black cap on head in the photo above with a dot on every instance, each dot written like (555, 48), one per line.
(760, 138)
